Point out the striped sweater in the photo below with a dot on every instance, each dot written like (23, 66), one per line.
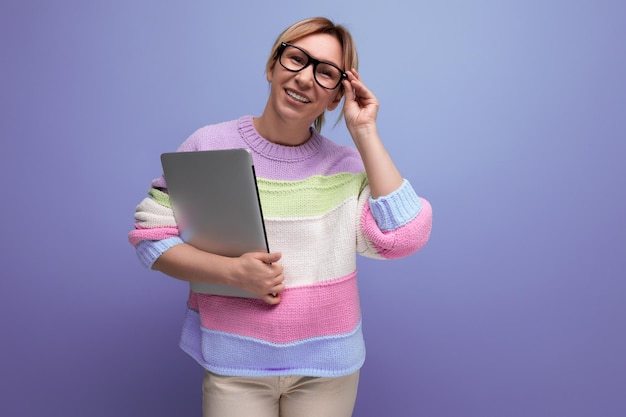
(319, 213)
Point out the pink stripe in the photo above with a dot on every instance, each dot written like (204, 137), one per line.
(159, 233)
(325, 309)
(403, 241)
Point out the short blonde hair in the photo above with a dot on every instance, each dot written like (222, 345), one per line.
(312, 26)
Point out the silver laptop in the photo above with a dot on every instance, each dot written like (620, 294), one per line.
(216, 204)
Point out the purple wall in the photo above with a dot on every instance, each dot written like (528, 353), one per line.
(507, 116)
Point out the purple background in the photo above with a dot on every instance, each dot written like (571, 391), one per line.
(509, 116)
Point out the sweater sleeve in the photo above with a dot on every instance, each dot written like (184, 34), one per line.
(155, 227)
(148, 251)
(395, 225)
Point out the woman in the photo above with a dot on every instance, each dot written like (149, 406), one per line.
(298, 348)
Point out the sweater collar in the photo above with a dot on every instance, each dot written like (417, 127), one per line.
(274, 151)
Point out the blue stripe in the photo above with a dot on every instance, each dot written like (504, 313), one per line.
(148, 251)
(233, 355)
(396, 209)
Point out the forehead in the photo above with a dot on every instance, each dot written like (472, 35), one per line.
(323, 47)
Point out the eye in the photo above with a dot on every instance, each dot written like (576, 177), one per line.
(296, 56)
(325, 74)
(328, 71)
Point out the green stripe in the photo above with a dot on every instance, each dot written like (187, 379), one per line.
(160, 197)
(313, 196)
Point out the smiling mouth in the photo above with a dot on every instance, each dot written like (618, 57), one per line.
(297, 97)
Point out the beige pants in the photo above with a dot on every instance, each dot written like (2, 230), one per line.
(283, 396)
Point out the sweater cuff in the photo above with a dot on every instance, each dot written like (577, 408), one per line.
(148, 251)
(396, 209)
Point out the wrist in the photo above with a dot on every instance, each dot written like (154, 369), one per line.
(230, 272)
(364, 134)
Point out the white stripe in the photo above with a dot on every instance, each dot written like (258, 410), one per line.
(364, 246)
(315, 249)
(151, 214)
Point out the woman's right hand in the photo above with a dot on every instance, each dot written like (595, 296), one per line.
(255, 272)
(259, 274)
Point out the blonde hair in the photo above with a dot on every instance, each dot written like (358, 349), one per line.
(312, 26)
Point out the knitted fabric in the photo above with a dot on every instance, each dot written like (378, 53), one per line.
(319, 213)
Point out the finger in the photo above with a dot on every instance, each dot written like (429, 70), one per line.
(349, 90)
(272, 299)
(360, 88)
(272, 257)
(353, 74)
(277, 289)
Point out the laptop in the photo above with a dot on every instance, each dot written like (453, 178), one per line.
(216, 204)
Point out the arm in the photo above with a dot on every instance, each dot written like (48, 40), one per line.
(159, 247)
(257, 272)
(395, 222)
(360, 111)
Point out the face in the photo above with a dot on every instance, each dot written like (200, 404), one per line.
(296, 95)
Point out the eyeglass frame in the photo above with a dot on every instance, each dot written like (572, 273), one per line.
(310, 60)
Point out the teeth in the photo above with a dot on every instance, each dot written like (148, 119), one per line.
(298, 97)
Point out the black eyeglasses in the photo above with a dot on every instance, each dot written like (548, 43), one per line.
(295, 59)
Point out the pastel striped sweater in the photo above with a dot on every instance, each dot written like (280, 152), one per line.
(319, 213)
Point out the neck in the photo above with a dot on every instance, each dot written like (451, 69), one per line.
(282, 132)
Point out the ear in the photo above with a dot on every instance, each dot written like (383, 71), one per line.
(269, 75)
(333, 104)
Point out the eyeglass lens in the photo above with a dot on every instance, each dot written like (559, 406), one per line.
(326, 75)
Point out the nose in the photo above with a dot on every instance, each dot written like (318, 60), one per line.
(306, 77)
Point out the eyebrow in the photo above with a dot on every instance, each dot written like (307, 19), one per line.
(321, 60)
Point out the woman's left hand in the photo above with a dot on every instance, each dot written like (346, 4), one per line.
(360, 106)
(360, 110)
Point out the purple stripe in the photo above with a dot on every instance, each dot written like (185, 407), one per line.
(227, 354)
